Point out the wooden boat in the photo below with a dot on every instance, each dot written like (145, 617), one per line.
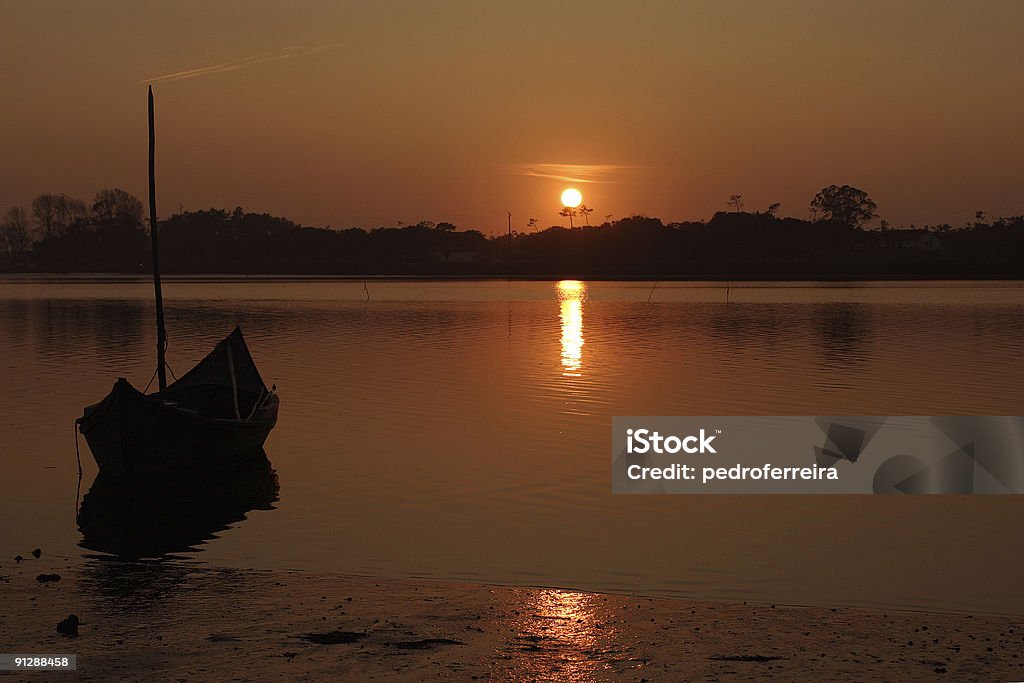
(217, 415)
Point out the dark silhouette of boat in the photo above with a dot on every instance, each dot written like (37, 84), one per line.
(150, 521)
(213, 418)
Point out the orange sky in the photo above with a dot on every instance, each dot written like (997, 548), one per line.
(369, 113)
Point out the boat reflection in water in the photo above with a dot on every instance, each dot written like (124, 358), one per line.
(133, 521)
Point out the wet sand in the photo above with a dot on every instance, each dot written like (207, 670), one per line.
(178, 622)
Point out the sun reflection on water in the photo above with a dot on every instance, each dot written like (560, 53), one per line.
(571, 295)
(560, 638)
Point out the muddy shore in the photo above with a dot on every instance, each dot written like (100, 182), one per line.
(180, 622)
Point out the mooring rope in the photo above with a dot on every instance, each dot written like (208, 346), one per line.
(78, 487)
(150, 382)
(234, 383)
(78, 454)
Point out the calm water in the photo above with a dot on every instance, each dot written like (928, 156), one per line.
(461, 430)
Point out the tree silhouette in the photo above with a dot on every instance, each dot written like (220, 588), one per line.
(15, 236)
(585, 211)
(848, 205)
(568, 211)
(55, 213)
(773, 209)
(736, 201)
(532, 223)
(117, 206)
(44, 212)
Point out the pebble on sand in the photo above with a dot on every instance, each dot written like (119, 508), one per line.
(69, 626)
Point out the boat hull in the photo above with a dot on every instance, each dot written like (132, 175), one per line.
(135, 436)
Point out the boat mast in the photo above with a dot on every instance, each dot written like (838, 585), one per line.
(161, 333)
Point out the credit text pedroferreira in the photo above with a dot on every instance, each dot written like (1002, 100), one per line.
(644, 441)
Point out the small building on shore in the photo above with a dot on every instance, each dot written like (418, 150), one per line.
(455, 256)
(893, 240)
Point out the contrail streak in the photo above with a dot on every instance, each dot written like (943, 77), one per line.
(573, 173)
(241, 63)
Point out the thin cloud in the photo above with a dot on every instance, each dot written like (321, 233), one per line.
(573, 173)
(241, 63)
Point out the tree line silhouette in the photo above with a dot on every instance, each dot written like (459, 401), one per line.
(63, 234)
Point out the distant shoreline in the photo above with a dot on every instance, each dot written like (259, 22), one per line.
(729, 247)
(569, 275)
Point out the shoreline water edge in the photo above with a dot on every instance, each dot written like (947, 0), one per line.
(176, 621)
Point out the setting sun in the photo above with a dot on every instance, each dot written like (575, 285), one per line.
(572, 198)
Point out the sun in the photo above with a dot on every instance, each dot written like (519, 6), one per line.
(572, 198)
